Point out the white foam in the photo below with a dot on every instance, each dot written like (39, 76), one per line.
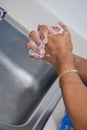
(41, 47)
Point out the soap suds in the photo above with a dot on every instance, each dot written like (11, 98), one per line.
(41, 47)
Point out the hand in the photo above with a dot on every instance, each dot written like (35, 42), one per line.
(57, 46)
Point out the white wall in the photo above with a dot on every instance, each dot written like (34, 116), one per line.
(72, 12)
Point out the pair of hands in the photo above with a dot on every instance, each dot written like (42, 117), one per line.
(57, 47)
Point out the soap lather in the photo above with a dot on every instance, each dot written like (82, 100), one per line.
(42, 45)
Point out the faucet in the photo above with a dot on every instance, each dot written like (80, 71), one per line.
(2, 13)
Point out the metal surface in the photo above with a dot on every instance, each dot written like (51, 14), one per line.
(23, 83)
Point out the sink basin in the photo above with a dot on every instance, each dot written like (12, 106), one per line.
(23, 82)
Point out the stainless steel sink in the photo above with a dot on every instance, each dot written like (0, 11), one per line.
(25, 84)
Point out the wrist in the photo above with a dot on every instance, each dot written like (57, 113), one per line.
(66, 63)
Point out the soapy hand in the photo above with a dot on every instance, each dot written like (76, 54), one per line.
(52, 44)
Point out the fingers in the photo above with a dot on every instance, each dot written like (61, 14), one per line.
(36, 53)
(67, 33)
(62, 25)
(36, 45)
(32, 47)
(43, 29)
(36, 57)
(38, 50)
(33, 51)
(35, 37)
(53, 30)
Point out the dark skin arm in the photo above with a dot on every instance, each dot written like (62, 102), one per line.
(81, 66)
(73, 89)
(74, 94)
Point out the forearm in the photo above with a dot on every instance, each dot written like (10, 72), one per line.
(74, 94)
(81, 66)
